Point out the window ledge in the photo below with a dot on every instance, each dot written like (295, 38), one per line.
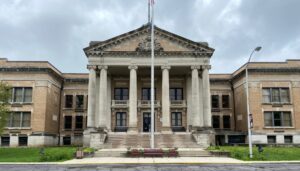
(20, 104)
(279, 127)
(23, 128)
(274, 104)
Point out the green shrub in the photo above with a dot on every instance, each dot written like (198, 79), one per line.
(57, 154)
(88, 150)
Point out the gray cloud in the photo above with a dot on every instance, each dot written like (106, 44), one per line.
(57, 30)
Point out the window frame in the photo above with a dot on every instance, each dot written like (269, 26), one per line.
(177, 120)
(176, 95)
(22, 101)
(282, 121)
(71, 123)
(148, 93)
(271, 95)
(229, 121)
(228, 101)
(213, 121)
(10, 121)
(122, 119)
(121, 93)
(78, 123)
(218, 101)
(79, 105)
(69, 102)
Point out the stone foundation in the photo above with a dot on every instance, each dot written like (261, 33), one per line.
(204, 137)
(94, 138)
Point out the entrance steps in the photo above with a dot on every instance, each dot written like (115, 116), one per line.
(182, 152)
(142, 140)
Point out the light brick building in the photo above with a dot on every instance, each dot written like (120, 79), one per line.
(109, 107)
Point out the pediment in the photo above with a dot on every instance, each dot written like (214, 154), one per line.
(139, 41)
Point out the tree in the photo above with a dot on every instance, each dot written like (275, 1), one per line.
(5, 95)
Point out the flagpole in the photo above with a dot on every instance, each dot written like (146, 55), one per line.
(152, 75)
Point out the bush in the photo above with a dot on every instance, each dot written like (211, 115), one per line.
(57, 154)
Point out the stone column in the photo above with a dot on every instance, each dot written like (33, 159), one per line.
(166, 125)
(195, 96)
(133, 99)
(201, 101)
(102, 97)
(91, 97)
(206, 96)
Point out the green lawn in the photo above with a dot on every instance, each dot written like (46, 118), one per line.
(269, 153)
(33, 154)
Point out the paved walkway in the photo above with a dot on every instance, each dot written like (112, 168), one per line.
(156, 160)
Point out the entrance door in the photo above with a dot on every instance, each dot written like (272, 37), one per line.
(146, 122)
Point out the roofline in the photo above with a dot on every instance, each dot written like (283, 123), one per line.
(141, 28)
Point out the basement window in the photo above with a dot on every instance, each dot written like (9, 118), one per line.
(288, 139)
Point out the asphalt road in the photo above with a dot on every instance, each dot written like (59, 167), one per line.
(164, 167)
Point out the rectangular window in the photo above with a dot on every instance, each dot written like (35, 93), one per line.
(276, 95)
(288, 139)
(121, 119)
(121, 94)
(18, 95)
(225, 101)
(215, 101)
(226, 122)
(176, 119)
(68, 122)
(28, 95)
(26, 119)
(278, 119)
(79, 101)
(216, 121)
(19, 119)
(69, 101)
(146, 93)
(268, 119)
(22, 95)
(67, 140)
(271, 139)
(79, 122)
(5, 141)
(176, 93)
(23, 141)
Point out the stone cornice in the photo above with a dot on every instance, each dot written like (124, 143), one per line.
(267, 70)
(32, 70)
(147, 54)
(77, 80)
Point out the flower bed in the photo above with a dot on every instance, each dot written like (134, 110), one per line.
(157, 152)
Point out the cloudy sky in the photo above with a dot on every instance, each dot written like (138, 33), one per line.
(58, 30)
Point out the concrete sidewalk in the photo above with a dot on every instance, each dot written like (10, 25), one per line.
(156, 160)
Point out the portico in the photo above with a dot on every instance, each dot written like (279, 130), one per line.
(119, 84)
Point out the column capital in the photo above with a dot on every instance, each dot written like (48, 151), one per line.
(166, 67)
(89, 67)
(208, 67)
(135, 67)
(195, 67)
(102, 67)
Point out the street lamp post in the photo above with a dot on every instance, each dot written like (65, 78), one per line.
(248, 106)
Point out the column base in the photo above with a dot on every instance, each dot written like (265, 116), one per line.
(166, 130)
(94, 137)
(204, 136)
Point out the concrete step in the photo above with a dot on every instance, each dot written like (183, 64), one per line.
(194, 152)
(182, 152)
(111, 153)
(122, 140)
